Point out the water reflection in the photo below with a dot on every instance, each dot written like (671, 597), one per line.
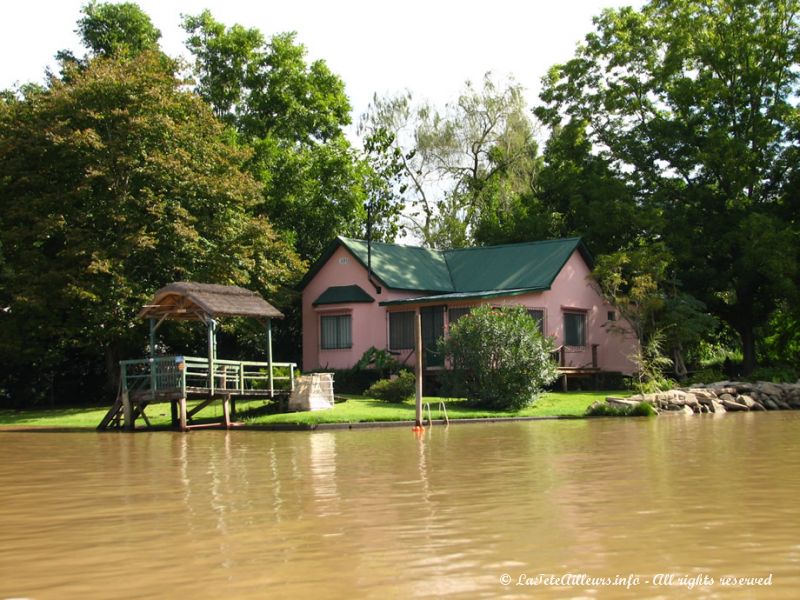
(383, 513)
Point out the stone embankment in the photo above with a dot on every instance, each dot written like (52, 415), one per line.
(720, 397)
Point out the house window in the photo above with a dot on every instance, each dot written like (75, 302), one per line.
(454, 314)
(574, 329)
(401, 330)
(612, 316)
(538, 314)
(336, 332)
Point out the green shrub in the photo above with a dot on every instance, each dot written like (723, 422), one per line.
(643, 409)
(707, 375)
(500, 359)
(397, 389)
(381, 361)
(775, 374)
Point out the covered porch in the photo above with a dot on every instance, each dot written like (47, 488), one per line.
(179, 378)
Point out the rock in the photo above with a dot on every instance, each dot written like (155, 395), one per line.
(717, 407)
(769, 388)
(726, 397)
(620, 402)
(746, 400)
(757, 406)
(687, 410)
(691, 401)
(782, 405)
(704, 409)
(769, 403)
(733, 406)
(794, 402)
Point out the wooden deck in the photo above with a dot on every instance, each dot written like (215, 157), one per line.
(176, 379)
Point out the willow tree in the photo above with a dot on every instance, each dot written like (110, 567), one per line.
(694, 102)
(114, 181)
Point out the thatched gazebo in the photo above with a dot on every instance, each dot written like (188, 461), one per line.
(178, 378)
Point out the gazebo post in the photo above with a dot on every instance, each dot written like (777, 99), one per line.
(269, 357)
(153, 375)
(212, 352)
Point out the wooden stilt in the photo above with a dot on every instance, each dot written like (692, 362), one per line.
(233, 409)
(226, 411)
(183, 419)
(173, 409)
(127, 410)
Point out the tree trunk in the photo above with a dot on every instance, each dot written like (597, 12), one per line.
(748, 348)
(678, 363)
(112, 369)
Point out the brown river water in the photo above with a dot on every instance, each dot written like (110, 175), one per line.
(535, 509)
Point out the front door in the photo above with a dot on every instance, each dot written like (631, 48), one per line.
(432, 329)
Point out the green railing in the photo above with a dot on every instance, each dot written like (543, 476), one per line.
(175, 374)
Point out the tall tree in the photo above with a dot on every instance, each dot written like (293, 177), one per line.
(115, 182)
(465, 165)
(107, 29)
(293, 114)
(693, 101)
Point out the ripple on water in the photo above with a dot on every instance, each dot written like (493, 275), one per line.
(379, 513)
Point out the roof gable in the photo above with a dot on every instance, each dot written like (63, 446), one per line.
(340, 294)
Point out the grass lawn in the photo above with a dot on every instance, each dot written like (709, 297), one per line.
(355, 409)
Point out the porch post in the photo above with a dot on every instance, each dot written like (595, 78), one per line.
(269, 357)
(418, 357)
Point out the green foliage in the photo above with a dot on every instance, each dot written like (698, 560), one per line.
(465, 166)
(707, 375)
(785, 373)
(396, 389)
(651, 364)
(602, 409)
(117, 29)
(499, 358)
(378, 360)
(292, 114)
(115, 182)
(693, 105)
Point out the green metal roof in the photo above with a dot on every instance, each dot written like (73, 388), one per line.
(343, 293)
(532, 265)
(528, 266)
(458, 296)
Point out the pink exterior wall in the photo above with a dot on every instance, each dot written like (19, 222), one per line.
(370, 325)
(572, 289)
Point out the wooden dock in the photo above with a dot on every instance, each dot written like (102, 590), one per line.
(178, 379)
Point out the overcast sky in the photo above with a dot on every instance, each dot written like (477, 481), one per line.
(429, 47)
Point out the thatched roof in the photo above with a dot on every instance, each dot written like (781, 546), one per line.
(194, 301)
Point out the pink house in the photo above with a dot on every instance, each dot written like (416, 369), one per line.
(347, 309)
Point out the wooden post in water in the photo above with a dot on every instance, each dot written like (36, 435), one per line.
(418, 356)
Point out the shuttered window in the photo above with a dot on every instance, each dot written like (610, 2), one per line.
(574, 329)
(336, 332)
(401, 330)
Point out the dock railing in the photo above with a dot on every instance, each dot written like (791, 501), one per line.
(176, 374)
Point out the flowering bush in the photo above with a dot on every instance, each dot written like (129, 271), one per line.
(500, 359)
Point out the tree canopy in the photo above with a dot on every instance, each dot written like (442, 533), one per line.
(693, 105)
(114, 183)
